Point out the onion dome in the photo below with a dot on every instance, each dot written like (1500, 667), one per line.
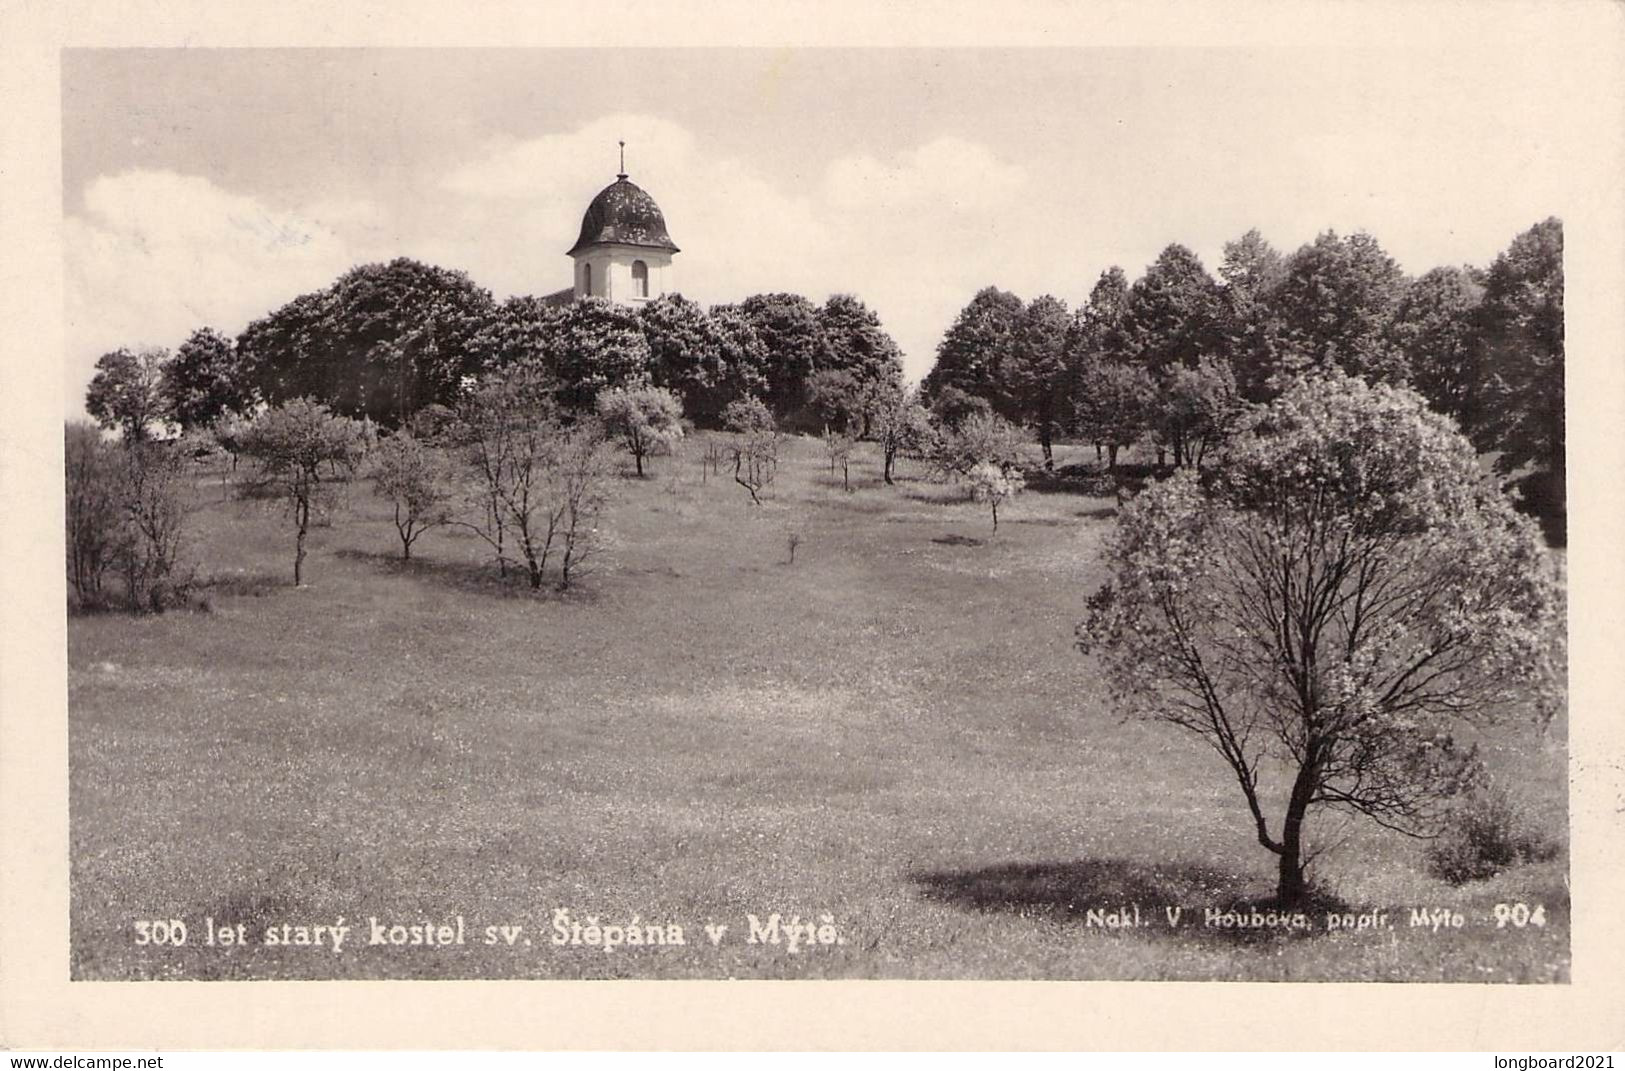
(624, 215)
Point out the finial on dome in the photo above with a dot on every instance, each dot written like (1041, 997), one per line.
(622, 174)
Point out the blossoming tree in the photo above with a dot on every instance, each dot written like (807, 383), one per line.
(1333, 610)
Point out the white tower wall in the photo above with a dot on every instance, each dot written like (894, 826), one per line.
(612, 273)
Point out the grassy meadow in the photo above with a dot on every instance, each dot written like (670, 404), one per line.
(893, 731)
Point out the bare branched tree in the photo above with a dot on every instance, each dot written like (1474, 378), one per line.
(755, 445)
(538, 482)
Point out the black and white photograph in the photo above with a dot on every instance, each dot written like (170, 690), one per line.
(819, 513)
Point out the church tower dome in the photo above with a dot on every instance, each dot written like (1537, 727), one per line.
(623, 214)
(624, 251)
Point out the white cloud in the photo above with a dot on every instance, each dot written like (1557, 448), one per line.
(736, 228)
(157, 254)
(945, 175)
(560, 165)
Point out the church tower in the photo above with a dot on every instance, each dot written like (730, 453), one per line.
(624, 253)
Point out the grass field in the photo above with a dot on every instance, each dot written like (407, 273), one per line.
(894, 731)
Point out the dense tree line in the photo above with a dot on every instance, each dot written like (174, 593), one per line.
(386, 341)
(1173, 357)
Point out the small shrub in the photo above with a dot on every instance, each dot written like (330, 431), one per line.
(1486, 835)
(432, 421)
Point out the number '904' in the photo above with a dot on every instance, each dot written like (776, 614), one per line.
(1519, 915)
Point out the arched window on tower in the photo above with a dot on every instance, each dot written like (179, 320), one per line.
(586, 280)
(640, 278)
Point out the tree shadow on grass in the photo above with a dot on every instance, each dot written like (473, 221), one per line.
(1069, 891)
(854, 504)
(938, 494)
(1093, 481)
(480, 578)
(244, 584)
(1069, 480)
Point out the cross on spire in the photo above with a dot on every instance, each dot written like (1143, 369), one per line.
(622, 174)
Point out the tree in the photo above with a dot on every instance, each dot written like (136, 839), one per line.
(706, 358)
(792, 334)
(408, 329)
(538, 479)
(290, 443)
(1251, 270)
(1329, 610)
(1038, 379)
(642, 418)
(979, 439)
(737, 362)
(126, 394)
(859, 347)
(1522, 393)
(970, 356)
(1252, 267)
(413, 478)
(94, 510)
(152, 491)
(839, 445)
(1096, 339)
(837, 399)
(1174, 312)
(127, 515)
(229, 430)
(382, 341)
(902, 426)
(578, 478)
(504, 430)
(205, 380)
(1104, 316)
(601, 345)
(951, 407)
(994, 483)
(1196, 408)
(755, 444)
(521, 330)
(1335, 303)
(291, 352)
(1114, 406)
(1436, 328)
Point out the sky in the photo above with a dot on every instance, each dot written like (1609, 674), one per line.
(205, 187)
